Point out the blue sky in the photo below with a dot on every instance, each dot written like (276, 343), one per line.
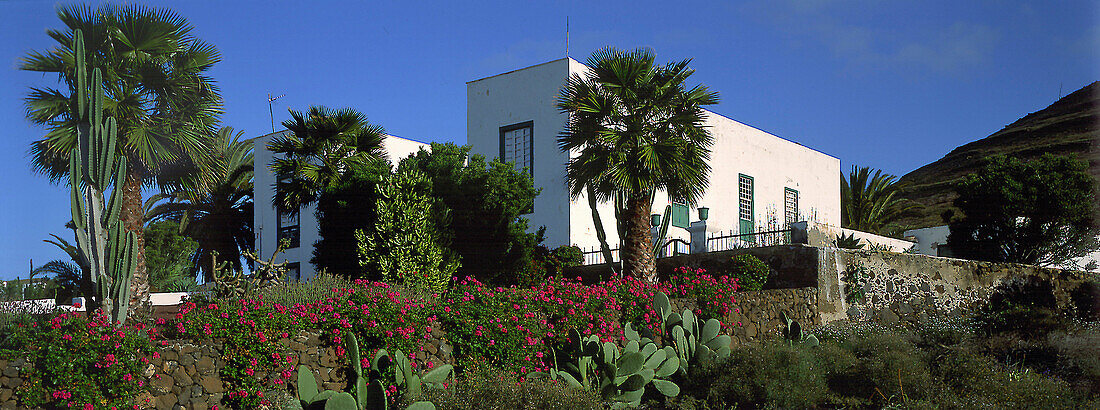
(887, 84)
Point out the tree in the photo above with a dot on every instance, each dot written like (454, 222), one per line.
(485, 203)
(169, 257)
(212, 202)
(637, 128)
(1040, 212)
(154, 73)
(871, 203)
(343, 208)
(406, 244)
(324, 145)
(65, 281)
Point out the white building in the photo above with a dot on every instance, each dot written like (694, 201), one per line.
(302, 230)
(758, 181)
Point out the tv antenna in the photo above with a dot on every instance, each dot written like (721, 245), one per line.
(271, 111)
(567, 36)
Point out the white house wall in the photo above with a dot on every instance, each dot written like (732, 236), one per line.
(265, 218)
(530, 94)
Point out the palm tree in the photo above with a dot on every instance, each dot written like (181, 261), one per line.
(322, 147)
(637, 128)
(213, 202)
(870, 203)
(66, 278)
(154, 73)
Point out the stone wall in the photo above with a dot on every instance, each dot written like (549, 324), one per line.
(914, 288)
(184, 375)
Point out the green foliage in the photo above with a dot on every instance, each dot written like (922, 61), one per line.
(168, 258)
(848, 241)
(212, 201)
(1040, 212)
(871, 203)
(793, 333)
(75, 360)
(546, 263)
(322, 148)
(342, 208)
(855, 280)
(486, 201)
(1025, 306)
(231, 283)
(291, 293)
(636, 128)
(496, 389)
(407, 244)
(369, 393)
(751, 272)
(694, 344)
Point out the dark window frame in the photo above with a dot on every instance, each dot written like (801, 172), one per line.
(530, 149)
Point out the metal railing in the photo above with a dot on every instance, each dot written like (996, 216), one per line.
(673, 247)
(725, 241)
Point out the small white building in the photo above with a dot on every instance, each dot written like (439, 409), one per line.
(758, 181)
(302, 230)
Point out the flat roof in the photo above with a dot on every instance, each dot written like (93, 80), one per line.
(520, 69)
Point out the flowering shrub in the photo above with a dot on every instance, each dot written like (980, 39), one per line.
(81, 362)
(504, 328)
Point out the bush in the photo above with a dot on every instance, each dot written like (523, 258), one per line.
(75, 361)
(493, 390)
(750, 271)
(774, 374)
(546, 263)
(1024, 306)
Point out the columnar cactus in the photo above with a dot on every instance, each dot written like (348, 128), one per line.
(105, 248)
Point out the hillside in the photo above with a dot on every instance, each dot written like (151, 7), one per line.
(1070, 126)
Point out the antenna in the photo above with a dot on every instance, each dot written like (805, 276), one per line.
(271, 111)
(567, 36)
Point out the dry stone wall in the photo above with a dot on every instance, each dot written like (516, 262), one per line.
(915, 288)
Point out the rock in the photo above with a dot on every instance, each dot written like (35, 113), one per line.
(13, 382)
(11, 372)
(889, 317)
(182, 378)
(170, 354)
(145, 400)
(19, 362)
(166, 402)
(161, 385)
(199, 404)
(149, 371)
(5, 394)
(212, 384)
(337, 386)
(204, 366)
(186, 359)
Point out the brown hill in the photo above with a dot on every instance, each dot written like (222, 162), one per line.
(1070, 126)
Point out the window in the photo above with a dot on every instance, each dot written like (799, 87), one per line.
(680, 216)
(516, 145)
(745, 204)
(790, 206)
(294, 272)
(289, 229)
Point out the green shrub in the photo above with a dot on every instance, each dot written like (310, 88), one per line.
(855, 279)
(319, 287)
(1024, 306)
(75, 361)
(407, 245)
(774, 374)
(977, 381)
(750, 271)
(493, 390)
(546, 263)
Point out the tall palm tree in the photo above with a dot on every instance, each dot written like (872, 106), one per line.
(637, 128)
(213, 202)
(155, 77)
(322, 147)
(870, 203)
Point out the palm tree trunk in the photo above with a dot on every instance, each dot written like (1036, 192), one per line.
(133, 219)
(637, 247)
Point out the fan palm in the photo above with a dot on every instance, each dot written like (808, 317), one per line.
(66, 277)
(213, 202)
(637, 128)
(157, 89)
(870, 203)
(323, 145)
